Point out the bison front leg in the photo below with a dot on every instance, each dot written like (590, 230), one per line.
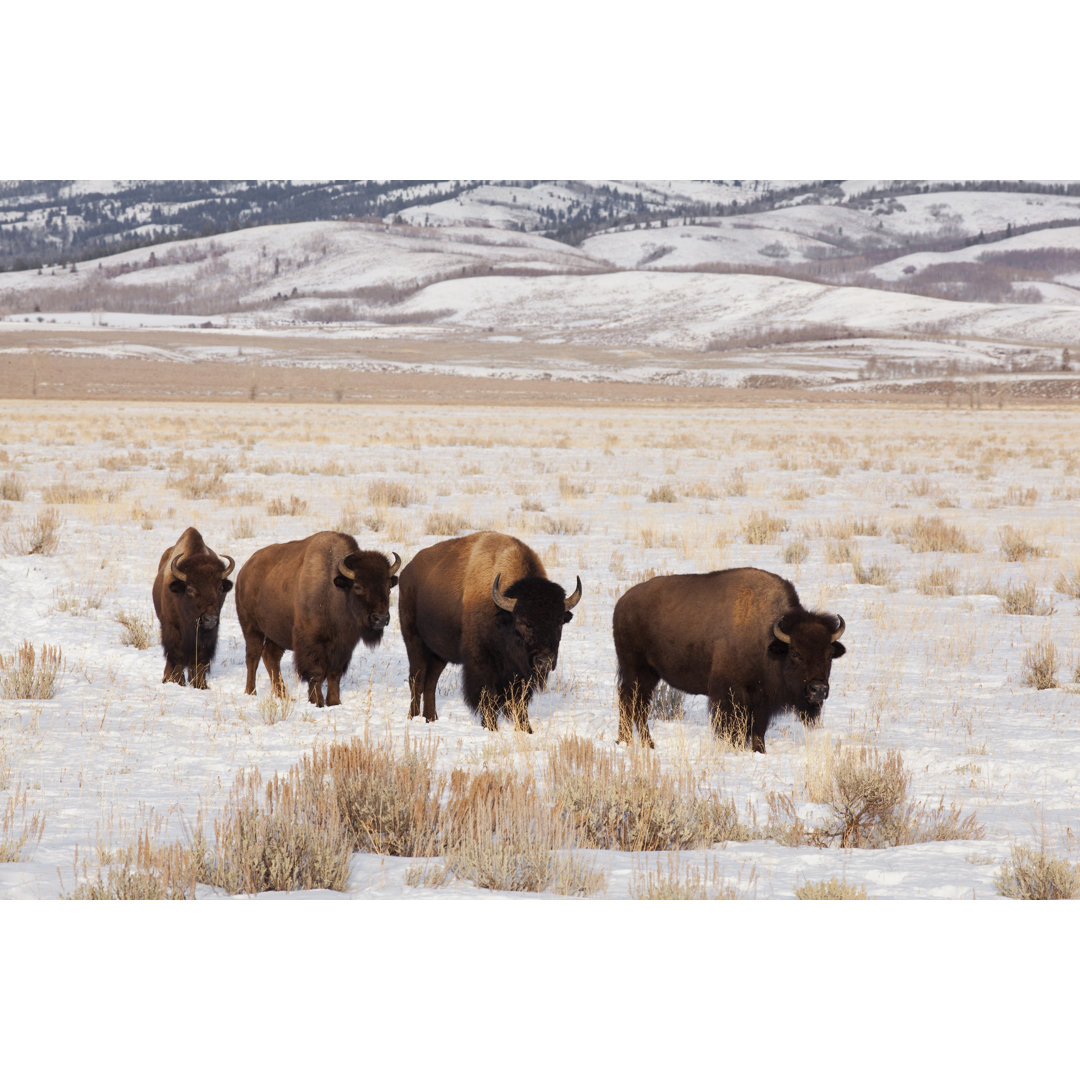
(197, 675)
(315, 694)
(174, 673)
(333, 690)
(516, 707)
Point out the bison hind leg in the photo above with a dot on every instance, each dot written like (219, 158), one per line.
(635, 694)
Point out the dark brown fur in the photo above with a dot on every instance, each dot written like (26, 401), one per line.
(448, 616)
(293, 596)
(189, 611)
(713, 634)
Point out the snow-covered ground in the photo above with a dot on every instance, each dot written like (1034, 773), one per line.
(614, 496)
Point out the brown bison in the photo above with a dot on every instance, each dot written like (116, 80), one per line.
(318, 597)
(739, 636)
(483, 601)
(189, 590)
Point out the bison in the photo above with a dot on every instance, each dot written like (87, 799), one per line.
(319, 597)
(483, 601)
(740, 636)
(189, 590)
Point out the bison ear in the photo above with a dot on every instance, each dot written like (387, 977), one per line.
(393, 580)
(342, 582)
(838, 650)
(226, 584)
(177, 586)
(567, 616)
(778, 647)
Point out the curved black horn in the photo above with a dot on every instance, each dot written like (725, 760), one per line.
(504, 602)
(396, 564)
(838, 632)
(574, 597)
(779, 634)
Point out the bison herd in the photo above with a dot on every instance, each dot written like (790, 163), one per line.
(484, 601)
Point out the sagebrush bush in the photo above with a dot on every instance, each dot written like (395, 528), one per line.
(1023, 600)
(935, 534)
(18, 834)
(634, 806)
(1017, 546)
(446, 523)
(292, 507)
(138, 631)
(38, 537)
(385, 493)
(1040, 666)
(762, 528)
(678, 882)
(145, 870)
(12, 487)
(26, 674)
(1033, 874)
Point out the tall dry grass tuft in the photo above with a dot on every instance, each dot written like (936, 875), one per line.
(678, 882)
(1040, 666)
(830, 890)
(935, 534)
(1017, 546)
(29, 676)
(145, 870)
(18, 835)
(138, 631)
(762, 528)
(631, 805)
(1033, 874)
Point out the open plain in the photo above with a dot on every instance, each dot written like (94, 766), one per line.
(944, 534)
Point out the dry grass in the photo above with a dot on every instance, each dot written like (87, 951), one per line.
(762, 528)
(1022, 599)
(830, 890)
(38, 537)
(942, 581)
(1017, 546)
(675, 881)
(292, 507)
(446, 523)
(1033, 874)
(384, 493)
(28, 675)
(632, 805)
(1040, 666)
(19, 835)
(935, 534)
(144, 870)
(12, 487)
(138, 631)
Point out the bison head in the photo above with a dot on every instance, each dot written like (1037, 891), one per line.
(201, 581)
(806, 645)
(367, 578)
(531, 615)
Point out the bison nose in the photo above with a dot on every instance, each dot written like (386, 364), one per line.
(208, 621)
(817, 691)
(543, 664)
(379, 622)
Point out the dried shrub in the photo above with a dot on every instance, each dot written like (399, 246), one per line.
(876, 573)
(665, 493)
(562, 526)
(762, 528)
(284, 835)
(935, 534)
(389, 804)
(1017, 546)
(1023, 600)
(197, 485)
(38, 537)
(1068, 582)
(830, 890)
(795, 552)
(385, 493)
(1040, 666)
(1033, 874)
(633, 805)
(944, 581)
(12, 487)
(145, 870)
(138, 632)
(27, 675)
(278, 507)
(446, 523)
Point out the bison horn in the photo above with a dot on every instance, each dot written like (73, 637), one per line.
(838, 632)
(228, 569)
(344, 571)
(574, 597)
(396, 564)
(779, 634)
(174, 568)
(504, 602)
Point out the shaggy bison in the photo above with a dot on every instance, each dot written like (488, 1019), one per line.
(483, 601)
(189, 590)
(318, 597)
(739, 636)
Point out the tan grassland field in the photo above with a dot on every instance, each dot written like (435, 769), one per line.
(945, 535)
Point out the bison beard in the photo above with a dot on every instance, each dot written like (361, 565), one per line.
(740, 636)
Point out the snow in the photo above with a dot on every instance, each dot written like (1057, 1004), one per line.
(939, 678)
